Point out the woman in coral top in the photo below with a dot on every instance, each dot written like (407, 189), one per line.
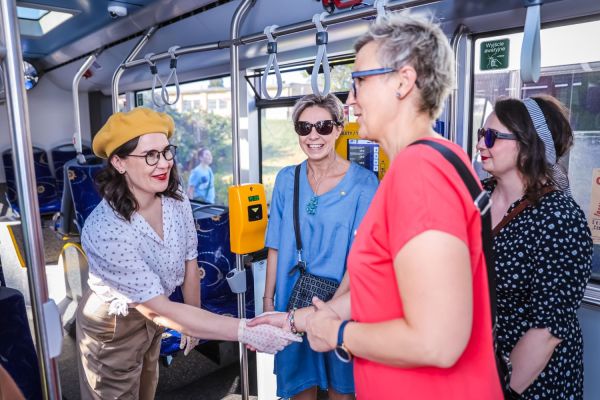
(417, 320)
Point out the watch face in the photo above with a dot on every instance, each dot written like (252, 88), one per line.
(343, 354)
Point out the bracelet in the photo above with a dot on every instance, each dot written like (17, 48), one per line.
(292, 322)
(267, 298)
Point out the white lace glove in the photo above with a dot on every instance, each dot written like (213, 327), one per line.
(188, 343)
(265, 338)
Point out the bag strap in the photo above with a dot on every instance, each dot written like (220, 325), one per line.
(517, 210)
(296, 206)
(482, 201)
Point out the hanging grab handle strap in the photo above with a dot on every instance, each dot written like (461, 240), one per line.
(164, 94)
(380, 6)
(271, 64)
(321, 39)
(156, 100)
(530, 51)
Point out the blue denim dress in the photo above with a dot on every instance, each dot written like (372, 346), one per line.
(326, 238)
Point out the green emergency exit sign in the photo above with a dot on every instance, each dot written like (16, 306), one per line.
(494, 54)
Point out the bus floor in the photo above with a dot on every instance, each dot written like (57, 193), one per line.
(188, 377)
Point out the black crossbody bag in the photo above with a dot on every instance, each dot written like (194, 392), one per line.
(482, 201)
(308, 285)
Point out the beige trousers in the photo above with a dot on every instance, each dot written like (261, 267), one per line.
(118, 355)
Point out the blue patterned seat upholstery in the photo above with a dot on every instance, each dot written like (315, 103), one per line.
(214, 260)
(48, 196)
(60, 155)
(80, 196)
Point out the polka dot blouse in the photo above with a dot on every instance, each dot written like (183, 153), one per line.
(129, 262)
(543, 263)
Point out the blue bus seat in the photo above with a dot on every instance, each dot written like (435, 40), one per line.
(48, 197)
(60, 155)
(214, 260)
(17, 352)
(80, 196)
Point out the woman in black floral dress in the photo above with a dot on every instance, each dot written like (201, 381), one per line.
(543, 254)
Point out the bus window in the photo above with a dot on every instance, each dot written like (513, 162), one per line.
(279, 142)
(571, 73)
(203, 122)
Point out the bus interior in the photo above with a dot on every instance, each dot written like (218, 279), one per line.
(67, 65)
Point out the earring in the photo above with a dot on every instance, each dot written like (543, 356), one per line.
(398, 94)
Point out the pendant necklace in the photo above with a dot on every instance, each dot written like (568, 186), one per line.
(311, 206)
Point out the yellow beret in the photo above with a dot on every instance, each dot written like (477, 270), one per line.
(124, 126)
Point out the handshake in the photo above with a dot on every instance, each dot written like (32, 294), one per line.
(264, 337)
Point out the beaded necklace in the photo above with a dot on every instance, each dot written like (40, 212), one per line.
(311, 206)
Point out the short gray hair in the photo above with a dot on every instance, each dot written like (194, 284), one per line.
(405, 39)
(329, 102)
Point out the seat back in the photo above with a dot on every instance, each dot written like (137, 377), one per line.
(17, 351)
(215, 260)
(60, 155)
(80, 195)
(48, 196)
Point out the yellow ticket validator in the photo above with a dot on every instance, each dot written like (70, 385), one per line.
(247, 217)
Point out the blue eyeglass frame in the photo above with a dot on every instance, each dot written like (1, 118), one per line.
(368, 72)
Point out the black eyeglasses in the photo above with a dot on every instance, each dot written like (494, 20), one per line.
(490, 136)
(324, 127)
(153, 156)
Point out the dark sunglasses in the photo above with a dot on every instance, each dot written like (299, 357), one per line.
(324, 127)
(153, 156)
(490, 136)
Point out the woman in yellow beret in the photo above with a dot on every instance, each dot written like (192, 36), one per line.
(141, 244)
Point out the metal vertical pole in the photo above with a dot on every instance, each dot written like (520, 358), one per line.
(120, 69)
(452, 122)
(236, 21)
(75, 93)
(27, 190)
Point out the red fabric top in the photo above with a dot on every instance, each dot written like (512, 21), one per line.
(420, 192)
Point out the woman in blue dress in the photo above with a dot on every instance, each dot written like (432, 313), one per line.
(334, 195)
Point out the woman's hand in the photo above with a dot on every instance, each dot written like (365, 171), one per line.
(188, 343)
(322, 327)
(274, 318)
(265, 338)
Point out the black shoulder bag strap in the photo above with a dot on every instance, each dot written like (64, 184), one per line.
(301, 263)
(483, 204)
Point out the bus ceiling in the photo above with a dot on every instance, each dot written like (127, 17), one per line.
(62, 50)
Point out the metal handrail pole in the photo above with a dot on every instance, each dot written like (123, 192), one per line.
(181, 51)
(117, 75)
(75, 91)
(236, 22)
(459, 33)
(281, 31)
(334, 19)
(18, 113)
